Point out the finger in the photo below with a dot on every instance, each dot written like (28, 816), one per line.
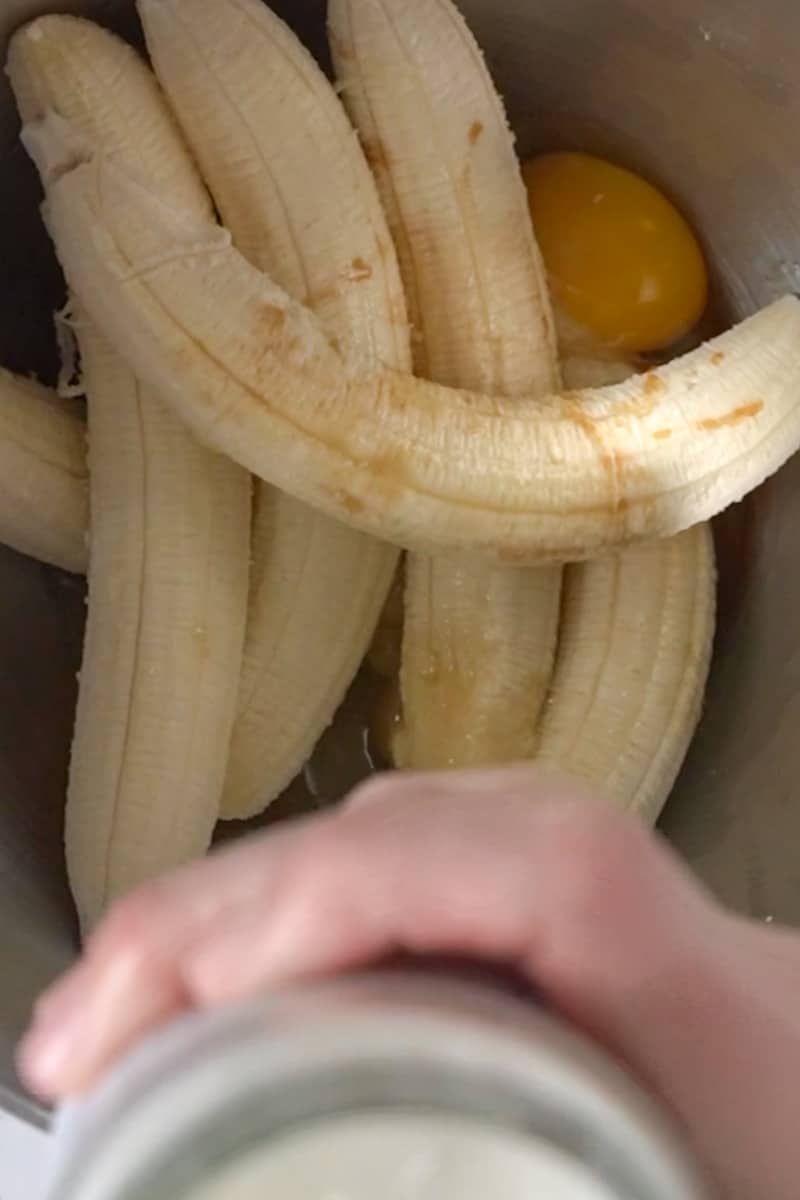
(117, 1010)
(510, 865)
(129, 978)
(507, 866)
(165, 941)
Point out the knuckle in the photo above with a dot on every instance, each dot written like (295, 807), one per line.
(316, 863)
(605, 853)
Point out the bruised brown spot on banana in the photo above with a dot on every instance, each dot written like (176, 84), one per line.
(734, 417)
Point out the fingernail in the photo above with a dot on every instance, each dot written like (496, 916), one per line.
(64, 1022)
(44, 1056)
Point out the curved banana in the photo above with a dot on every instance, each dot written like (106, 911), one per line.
(262, 121)
(44, 491)
(168, 569)
(426, 467)
(479, 639)
(632, 664)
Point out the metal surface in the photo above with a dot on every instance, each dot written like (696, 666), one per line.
(702, 96)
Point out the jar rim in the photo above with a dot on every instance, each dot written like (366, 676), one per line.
(210, 1087)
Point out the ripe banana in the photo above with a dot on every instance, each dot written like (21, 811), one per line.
(385, 651)
(479, 639)
(579, 372)
(632, 663)
(262, 121)
(44, 492)
(168, 570)
(421, 465)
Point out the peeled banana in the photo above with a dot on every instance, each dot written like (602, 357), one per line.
(385, 651)
(579, 372)
(522, 481)
(479, 639)
(168, 570)
(262, 120)
(632, 663)
(44, 491)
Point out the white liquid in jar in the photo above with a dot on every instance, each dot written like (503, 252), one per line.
(399, 1156)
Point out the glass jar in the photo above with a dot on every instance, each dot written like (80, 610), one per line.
(390, 1085)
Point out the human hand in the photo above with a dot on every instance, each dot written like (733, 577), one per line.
(509, 866)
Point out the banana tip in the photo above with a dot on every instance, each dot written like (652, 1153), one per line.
(55, 146)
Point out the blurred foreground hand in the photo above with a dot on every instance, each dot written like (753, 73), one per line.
(512, 866)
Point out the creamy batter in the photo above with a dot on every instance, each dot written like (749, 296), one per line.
(397, 1156)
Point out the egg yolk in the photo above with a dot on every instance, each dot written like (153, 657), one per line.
(623, 263)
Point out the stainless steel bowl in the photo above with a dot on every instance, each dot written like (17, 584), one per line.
(702, 96)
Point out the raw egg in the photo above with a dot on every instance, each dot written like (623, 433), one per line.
(622, 261)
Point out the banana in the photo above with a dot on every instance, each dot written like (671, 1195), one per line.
(262, 121)
(426, 467)
(168, 571)
(632, 664)
(478, 649)
(579, 372)
(479, 639)
(44, 491)
(385, 651)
